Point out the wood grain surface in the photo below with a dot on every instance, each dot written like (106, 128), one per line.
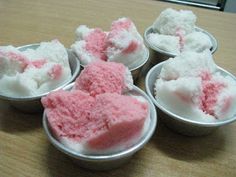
(24, 148)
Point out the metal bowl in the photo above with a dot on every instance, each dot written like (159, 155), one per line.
(180, 124)
(158, 55)
(32, 104)
(110, 161)
(135, 71)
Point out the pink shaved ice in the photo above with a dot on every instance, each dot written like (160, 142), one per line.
(96, 44)
(210, 91)
(98, 123)
(55, 72)
(67, 112)
(123, 118)
(39, 63)
(122, 44)
(124, 23)
(104, 77)
(133, 45)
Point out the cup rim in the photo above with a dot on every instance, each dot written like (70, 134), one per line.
(144, 61)
(66, 82)
(170, 54)
(181, 118)
(105, 157)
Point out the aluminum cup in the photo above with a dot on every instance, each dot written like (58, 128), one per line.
(32, 104)
(106, 161)
(183, 125)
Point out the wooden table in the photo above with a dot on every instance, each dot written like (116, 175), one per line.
(24, 148)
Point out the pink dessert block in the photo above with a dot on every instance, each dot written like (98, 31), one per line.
(104, 77)
(124, 43)
(124, 37)
(218, 95)
(106, 122)
(67, 112)
(96, 43)
(120, 119)
(90, 45)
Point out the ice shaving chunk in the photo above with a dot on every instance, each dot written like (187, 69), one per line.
(175, 31)
(191, 86)
(188, 64)
(197, 41)
(104, 77)
(167, 43)
(106, 123)
(33, 71)
(122, 44)
(125, 44)
(170, 21)
(90, 45)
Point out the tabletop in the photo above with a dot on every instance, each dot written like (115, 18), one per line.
(24, 148)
